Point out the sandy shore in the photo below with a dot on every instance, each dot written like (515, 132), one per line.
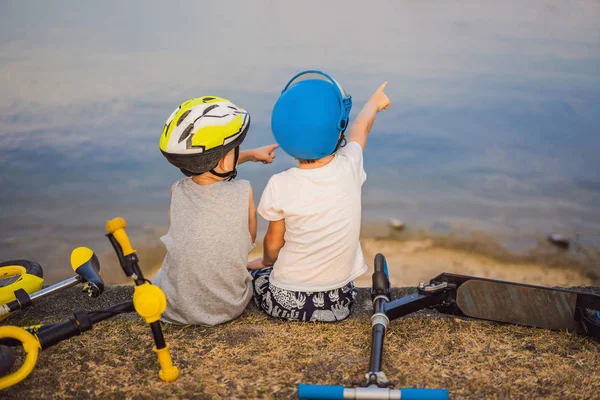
(414, 256)
(414, 260)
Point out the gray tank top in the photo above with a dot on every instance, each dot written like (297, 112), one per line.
(204, 273)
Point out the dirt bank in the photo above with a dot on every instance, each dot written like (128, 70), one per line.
(421, 256)
(258, 357)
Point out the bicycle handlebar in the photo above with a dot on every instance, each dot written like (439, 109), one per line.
(149, 300)
(326, 392)
(116, 227)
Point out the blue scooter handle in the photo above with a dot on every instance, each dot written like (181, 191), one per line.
(424, 394)
(325, 392)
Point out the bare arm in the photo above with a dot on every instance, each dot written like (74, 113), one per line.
(170, 198)
(359, 131)
(272, 244)
(264, 154)
(273, 241)
(251, 216)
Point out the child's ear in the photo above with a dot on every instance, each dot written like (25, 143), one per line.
(226, 162)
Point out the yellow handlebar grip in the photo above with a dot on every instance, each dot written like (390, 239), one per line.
(168, 372)
(31, 346)
(116, 226)
(149, 301)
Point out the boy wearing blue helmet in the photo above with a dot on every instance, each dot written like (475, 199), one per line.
(314, 210)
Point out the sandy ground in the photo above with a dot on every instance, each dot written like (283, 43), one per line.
(414, 260)
(413, 255)
(410, 261)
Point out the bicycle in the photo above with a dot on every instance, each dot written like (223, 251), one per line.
(21, 281)
(148, 301)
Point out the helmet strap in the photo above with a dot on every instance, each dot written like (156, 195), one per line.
(231, 174)
(341, 142)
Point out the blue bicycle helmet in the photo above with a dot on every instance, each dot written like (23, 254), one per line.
(311, 115)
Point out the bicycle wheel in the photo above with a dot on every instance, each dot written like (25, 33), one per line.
(19, 274)
(7, 360)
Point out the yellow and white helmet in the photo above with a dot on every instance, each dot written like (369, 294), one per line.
(201, 131)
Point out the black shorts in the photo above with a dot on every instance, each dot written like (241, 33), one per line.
(327, 306)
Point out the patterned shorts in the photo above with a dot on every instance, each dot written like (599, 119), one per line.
(328, 306)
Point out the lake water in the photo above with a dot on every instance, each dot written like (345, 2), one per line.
(494, 125)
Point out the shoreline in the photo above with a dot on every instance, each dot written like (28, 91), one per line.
(414, 254)
(52, 245)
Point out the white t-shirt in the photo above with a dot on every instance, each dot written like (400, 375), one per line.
(322, 211)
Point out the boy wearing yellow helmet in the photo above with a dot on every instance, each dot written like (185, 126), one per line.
(314, 210)
(212, 217)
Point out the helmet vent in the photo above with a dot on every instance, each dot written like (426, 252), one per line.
(209, 108)
(185, 114)
(185, 133)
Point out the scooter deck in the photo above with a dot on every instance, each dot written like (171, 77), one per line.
(523, 305)
(516, 303)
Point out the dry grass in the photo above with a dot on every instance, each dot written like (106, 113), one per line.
(257, 357)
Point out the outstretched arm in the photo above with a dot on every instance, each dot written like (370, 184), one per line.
(359, 131)
(264, 154)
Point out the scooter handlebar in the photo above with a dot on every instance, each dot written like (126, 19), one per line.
(325, 392)
(381, 279)
(424, 394)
